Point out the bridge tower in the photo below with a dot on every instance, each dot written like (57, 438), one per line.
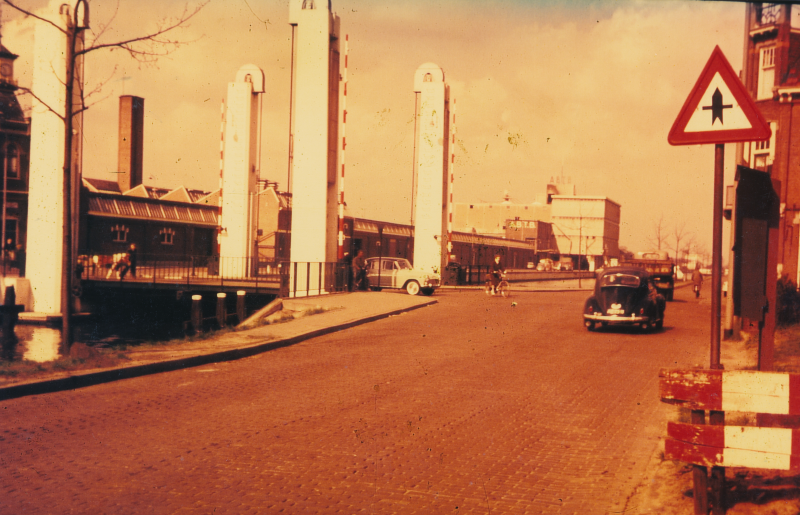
(314, 133)
(432, 159)
(46, 196)
(240, 171)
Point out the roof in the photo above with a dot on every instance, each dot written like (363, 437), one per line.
(118, 206)
(10, 110)
(388, 228)
(478, 239)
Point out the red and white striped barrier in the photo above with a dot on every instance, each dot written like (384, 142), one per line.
(736, 390)
(343, 80)
(774, 448)
(771, 393)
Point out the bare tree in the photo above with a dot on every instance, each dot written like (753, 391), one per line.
(680, 235)
(146, 48)
(658, 239)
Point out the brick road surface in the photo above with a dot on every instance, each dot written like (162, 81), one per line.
(468, 406)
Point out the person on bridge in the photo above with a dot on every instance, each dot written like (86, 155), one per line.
(132, 260)
(360, 271)
(496, 273)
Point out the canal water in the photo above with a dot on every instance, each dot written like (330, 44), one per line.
(125, 320)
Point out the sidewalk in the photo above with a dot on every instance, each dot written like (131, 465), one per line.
(339, 311)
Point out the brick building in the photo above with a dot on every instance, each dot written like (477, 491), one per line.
(771, 73)
(15, 143)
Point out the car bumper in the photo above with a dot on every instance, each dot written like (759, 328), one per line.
(617, 319)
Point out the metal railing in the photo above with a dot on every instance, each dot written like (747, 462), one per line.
(292, 279)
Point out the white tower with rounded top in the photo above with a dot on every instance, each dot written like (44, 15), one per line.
(432, 145)
(240, 170)
(314, 137)
(46, 187)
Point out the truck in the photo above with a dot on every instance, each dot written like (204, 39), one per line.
(661, 269)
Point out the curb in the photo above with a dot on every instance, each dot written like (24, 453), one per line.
(108, 375)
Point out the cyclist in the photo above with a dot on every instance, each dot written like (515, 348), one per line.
(496, 273)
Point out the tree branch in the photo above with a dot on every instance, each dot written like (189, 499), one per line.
(31, 93)
(153, 38)
(36, 16)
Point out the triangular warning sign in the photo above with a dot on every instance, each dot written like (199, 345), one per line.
(719, 109)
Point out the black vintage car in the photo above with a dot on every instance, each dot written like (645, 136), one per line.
(625, 295)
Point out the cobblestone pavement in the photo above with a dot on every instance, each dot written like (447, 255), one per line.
(472, 405)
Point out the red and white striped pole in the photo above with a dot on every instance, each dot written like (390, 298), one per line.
(450, 164)
(221, 161)
(343, 80)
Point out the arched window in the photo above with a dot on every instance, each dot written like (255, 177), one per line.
(119, 233)
(11, 161)
(427, 78)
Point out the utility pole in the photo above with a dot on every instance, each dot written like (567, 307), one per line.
(74, 30)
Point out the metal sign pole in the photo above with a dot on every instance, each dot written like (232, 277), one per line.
(716, 259)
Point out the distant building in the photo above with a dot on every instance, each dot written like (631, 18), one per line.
(586, 227)
(581, 227)
(170, 224)
(15, 143)
(771, 73)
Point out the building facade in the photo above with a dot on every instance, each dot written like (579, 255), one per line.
(15, 144)
(771, 74)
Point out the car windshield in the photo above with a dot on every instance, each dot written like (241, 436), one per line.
(630, 281)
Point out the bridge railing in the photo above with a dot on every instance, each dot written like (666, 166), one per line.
(292, 279)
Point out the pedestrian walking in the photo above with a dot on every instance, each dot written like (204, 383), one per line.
(697, 280)
(360, 271)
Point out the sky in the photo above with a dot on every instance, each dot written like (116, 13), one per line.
(584, 91)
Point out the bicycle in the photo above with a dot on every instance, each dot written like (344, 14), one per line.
(502, 287)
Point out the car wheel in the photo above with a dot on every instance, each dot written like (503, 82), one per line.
(412, 287)
(589, 324)
(374, 288)
(660, 324)
(427, 291)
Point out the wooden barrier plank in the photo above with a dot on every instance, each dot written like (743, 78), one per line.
(738, 390)
(721, 457)
(764, 439)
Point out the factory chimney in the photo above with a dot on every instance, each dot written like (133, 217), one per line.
(131, 134)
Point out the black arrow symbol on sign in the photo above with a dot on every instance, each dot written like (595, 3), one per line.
(716, 107)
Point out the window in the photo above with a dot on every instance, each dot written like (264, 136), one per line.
(11, 162)
(762, 153)
(767, 13)
(766, 73)
(166, 236)
(119, 233)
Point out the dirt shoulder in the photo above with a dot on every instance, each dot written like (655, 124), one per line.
(666, 488)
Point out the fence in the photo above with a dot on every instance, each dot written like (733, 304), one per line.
(291, 279)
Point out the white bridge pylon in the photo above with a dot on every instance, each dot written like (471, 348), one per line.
(240, 170)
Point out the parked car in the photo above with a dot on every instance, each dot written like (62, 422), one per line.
(398, 273)
(545, 265)
(625, 296)
(566, 266)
